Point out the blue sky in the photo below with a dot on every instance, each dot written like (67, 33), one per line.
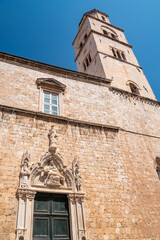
(44, 30)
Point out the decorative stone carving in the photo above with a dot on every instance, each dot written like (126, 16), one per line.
(25, 171)
(82, 235)
(26, 194)
(76, 174)
(131, 96)
(76, 204)
(20, 234)
(52, 139)
(52, 175)
(51, 172)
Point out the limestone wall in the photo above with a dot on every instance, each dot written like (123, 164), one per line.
(81, 100)
(117, 168)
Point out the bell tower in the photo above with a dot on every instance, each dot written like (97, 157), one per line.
(102, 50)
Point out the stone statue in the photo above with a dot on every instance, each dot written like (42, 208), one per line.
(25, 171)
(76, 174)
(52, 175)
(52, 139)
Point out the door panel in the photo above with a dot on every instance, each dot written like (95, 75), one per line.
(60, 228)
(51, 217)
(41, 228)
(42, 204)
(60, 205)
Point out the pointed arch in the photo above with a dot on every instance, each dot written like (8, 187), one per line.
(133, 87)
(51, 171)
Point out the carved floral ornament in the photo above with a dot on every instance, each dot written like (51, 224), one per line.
(49, 174)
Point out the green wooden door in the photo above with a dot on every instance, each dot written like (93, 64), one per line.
(51, 217)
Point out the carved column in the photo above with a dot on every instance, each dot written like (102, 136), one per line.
(77, 217)
(25, 214)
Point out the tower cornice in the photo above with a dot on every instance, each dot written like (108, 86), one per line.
(97, 19)
(118, 59)
(92, 11)
(101, 34)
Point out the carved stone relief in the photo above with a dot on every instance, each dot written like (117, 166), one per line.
(51, 175)
(76, 174)
(52, 139)
(51, 172)
(25, 171)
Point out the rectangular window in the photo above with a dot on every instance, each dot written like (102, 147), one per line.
(50, 103)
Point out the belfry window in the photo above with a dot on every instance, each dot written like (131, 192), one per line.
(114, 53)
(123, 56)
(105, 32)
(81, 45)
(113, 36)
(103, 18)
(85, 36)
(134, 88)
(87, 62)
(89, 57)
(118, 54)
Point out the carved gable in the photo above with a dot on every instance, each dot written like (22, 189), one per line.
(51, 83)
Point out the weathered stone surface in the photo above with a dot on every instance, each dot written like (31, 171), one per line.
(118, 175)
(114, 166)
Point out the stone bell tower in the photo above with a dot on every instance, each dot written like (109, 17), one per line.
(102, 50)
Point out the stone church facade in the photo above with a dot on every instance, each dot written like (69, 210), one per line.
(80, 150)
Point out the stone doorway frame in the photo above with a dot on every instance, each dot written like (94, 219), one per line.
(24, 230)
(49, 175)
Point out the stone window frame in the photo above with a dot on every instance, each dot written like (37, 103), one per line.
(81, 39)
(110, 32)
(87, 60)
(129, 82)
(103, 18)
(52, 86)
(119, 54)
(31, 182)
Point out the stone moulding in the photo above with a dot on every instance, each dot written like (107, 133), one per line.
(49, 117)
(49, 174)
(28, 63)
(128, 95)
(51, 83)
